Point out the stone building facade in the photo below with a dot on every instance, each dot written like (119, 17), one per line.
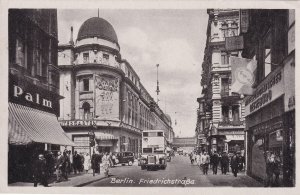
(220, 124)
(103, 93)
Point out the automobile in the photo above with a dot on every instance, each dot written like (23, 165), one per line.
(124, 158)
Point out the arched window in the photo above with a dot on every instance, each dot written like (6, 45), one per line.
(86, 111)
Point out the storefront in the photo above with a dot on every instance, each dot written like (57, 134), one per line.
(32, 127)
(270, 128)
(108, 138)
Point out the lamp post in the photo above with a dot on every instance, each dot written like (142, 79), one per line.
(157, 87)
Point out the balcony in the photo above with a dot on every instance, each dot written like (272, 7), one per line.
(200, 112)
(227, 122)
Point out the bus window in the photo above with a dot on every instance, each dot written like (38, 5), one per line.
(145, 134)
(147, 150)
(160, 134)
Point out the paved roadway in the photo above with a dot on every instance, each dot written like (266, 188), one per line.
(179, 173)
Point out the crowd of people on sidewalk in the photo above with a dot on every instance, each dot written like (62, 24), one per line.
(47, 165)
(215, 160)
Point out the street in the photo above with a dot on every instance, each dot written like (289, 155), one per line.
(179, 173)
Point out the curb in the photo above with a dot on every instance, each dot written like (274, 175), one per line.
(89, 182)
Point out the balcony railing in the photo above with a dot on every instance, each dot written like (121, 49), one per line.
(231, 123)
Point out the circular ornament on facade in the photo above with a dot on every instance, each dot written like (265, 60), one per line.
(244, 76)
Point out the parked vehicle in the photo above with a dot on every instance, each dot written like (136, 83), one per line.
(124, 158)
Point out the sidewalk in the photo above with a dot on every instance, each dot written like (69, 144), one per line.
(78, 180)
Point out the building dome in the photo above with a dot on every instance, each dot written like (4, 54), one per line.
(97, 27)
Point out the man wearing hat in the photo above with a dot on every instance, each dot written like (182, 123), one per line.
(40, 171)
(224, 163)
(234, 164)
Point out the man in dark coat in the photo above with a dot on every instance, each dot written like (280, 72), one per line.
(95, 161)
(234, 164)
(215, 161)
(224, 163)
(40, 174)
(76, 162)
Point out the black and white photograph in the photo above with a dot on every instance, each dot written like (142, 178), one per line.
(154, 97)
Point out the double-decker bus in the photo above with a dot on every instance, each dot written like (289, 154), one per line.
(154, 146)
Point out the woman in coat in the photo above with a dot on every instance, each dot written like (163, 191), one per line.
(87, 161)
(106, 163)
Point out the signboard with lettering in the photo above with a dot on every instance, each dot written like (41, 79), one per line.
(244, 20)
(289, 85)
(234, 43)
(78, 123)
(27, 94)
(267, 91)
(107, 97)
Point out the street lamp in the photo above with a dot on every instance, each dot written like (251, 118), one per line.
(157, 87)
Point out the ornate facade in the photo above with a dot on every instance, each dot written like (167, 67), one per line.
(220, 124)
(103, 94)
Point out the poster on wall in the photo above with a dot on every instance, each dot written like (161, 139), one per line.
(107, 97)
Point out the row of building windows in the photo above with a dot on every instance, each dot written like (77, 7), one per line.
(229, 30)
(33, 51)
(103, 60)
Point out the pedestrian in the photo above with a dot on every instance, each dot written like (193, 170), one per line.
(224, 163)
(76, 162)
(110, 159)
(269, 158)
(50, 163)
(59, 166)
(70, 156)
(66, 165)
(198, 158)
(205, 160)
(241, 162)
(95, 163)
(215, 161)
(234, 164)
(40, 171)
(105, 162)
(192, 157)
(276, 168)
(114, 159)
(87, 161)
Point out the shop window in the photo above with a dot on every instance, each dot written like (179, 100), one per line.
(85, 57)
(267, 54)
(86, 84)
(224, 58)
(225, 113)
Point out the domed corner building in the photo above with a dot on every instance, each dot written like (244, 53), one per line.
(102, 93)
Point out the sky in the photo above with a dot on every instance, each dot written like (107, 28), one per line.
(174, 39)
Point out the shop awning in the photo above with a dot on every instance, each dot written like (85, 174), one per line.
(106, 137)
(28, 125)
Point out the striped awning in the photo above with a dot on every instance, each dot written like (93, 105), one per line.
(27, 125)
(106, 137)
